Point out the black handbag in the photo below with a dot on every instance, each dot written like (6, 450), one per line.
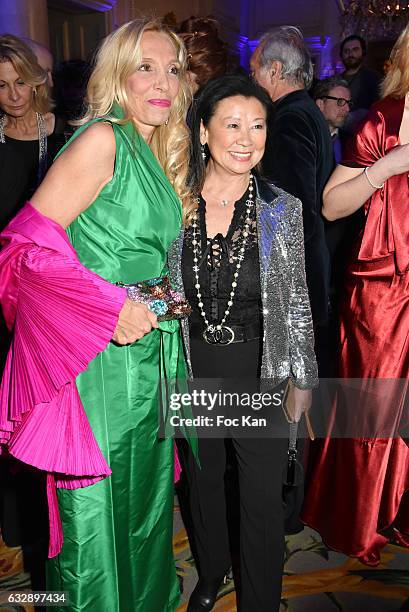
(293, 478)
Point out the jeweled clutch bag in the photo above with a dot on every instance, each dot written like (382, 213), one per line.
(159, 297)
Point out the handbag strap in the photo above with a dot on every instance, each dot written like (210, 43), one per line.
(292, 439)
(290, 478)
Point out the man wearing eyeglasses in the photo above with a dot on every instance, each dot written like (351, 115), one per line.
(333, 98)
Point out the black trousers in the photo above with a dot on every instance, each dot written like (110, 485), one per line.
(260, 469)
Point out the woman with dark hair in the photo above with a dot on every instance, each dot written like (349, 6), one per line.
(206, 52)
(251, 318)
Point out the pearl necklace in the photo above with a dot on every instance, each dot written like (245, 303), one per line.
(220, 333)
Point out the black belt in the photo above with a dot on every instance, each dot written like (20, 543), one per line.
(228, 334)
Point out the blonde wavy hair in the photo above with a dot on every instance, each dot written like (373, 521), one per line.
(24, 62)
(117, 59)
(396, 82)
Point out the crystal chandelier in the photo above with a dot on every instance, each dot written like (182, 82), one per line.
(393, 9)
(374, 19)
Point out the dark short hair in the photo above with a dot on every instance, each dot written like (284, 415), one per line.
(322, 88)
(354, 37)
(204, 108)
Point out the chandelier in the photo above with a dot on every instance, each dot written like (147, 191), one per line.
(374, 18)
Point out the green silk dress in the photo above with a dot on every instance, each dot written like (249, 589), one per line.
(117, 552)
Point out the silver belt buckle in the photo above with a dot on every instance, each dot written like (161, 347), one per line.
(212, 335)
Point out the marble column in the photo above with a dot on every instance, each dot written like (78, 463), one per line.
(121, 13)
(331, 26)
(28, 18)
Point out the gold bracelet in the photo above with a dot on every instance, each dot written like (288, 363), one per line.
(369, 180)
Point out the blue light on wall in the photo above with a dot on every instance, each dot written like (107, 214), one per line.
(253, 44)
(245, 49)
(317, 42)
(242, 49)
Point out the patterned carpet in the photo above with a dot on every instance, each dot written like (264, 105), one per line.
(12, 577)
(316, 579)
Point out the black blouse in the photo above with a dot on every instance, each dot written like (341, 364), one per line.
(18, 172)
(217, 264)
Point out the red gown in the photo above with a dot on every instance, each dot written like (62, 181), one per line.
(358, 488)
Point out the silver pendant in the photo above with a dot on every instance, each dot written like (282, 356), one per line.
(218, 335)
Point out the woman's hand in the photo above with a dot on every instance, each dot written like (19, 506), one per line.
(302, 402)
(396, 161)
(135, 321)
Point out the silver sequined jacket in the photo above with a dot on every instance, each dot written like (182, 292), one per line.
(288, 340)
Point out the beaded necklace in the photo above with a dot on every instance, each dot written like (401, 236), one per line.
(219, 333)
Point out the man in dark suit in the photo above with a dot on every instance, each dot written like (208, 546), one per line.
(333, 98)
(299, 156)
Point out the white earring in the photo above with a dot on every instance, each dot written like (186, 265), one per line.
(203, 152)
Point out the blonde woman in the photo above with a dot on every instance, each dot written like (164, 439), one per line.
(27, 146)
(117, 190)
(26, 125)
(358, 497)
